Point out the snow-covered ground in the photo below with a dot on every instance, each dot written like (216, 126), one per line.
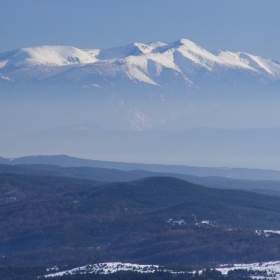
(267, 232)
(180, 222)
(107, 268)
(263, 270)
(272, 269)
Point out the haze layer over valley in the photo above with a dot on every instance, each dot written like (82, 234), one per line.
(172, 103)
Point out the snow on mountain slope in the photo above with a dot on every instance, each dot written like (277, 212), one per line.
(133, 49)
(254, 63)
(191, 51)
(182, 63)
(48, 56)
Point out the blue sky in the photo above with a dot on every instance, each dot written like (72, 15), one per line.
(236, 25)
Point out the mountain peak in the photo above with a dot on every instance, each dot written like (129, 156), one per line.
(133, 49)
(149, 63)
(187, 42)
(49, 56)
(184, 42)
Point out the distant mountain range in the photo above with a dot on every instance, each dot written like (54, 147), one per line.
(123, 171)
(208, 147)
(172, 103)
(254, 180)
(180, 64)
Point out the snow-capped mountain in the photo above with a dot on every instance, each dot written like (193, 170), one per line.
(181, 64)
(163, 86)
(47, 56)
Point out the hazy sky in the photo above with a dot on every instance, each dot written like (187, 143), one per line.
(236, 25)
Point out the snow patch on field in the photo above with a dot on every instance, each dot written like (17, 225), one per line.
(107, 268)
(180, 222)
(262, 270)
(267, 232)
(272, 269)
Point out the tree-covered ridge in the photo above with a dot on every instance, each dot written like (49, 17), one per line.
(214, 180)
(157, 220)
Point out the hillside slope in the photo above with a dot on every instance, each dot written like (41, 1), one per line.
(114, 175)
(153, 220)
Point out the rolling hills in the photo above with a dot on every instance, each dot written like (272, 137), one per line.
(68, 161)
(157, 220)
(106, 175)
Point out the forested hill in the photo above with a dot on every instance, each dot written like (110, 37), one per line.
(67, 161)
(115, 175)
(157, 220)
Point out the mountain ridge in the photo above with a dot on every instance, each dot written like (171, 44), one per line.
(173, 86)
(155, 220)
(137, 62)
(68, 162)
